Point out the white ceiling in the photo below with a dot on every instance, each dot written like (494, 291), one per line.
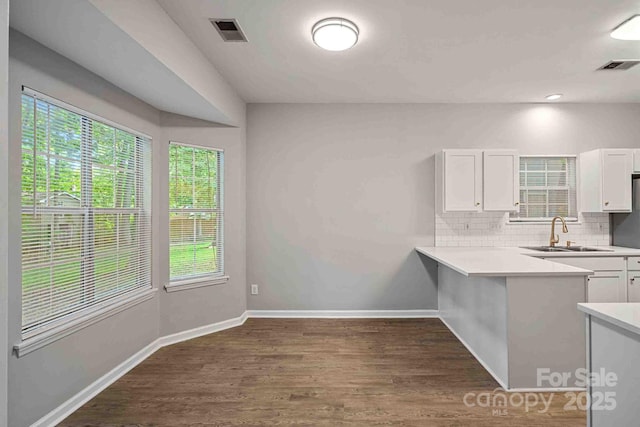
(420, 50)
(78, 30)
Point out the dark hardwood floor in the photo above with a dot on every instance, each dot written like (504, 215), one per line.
(315, 372)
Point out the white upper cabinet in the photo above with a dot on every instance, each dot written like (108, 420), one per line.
(501, 189)
(616, 180)
(605, 180)
(459, 180)
(477, 180)
(636, 161)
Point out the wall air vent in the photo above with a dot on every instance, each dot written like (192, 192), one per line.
(623, 64)
(229, 30)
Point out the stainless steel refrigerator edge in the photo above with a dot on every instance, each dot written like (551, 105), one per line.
(626, 227)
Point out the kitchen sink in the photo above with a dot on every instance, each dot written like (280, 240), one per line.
(565, 249)
(546, 248)
(586, 249)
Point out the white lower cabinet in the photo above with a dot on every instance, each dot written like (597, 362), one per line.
(633, 279)
(609, 281)
(606, 286)
(633, 289)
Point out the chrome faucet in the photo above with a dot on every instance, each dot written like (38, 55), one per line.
(555, 238)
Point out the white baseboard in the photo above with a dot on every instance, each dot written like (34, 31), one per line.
(202, 330)
(67, 408)
(56, 416)
(344, 314)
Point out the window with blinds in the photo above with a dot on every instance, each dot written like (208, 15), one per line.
(86, 237)
(547, 189)
(196, 212)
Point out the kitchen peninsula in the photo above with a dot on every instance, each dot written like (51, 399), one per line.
(515, 313)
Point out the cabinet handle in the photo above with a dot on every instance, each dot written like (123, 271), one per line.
(606, 203)
(517, 203)
(477, 203)
(632, 280)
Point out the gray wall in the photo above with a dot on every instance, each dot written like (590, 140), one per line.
(4, 138)
(185, 310)
(338, 195)
(44, 379)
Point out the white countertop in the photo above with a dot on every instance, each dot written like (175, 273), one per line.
(498, 262)
(625, 315)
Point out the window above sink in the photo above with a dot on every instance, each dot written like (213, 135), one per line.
(547, 189)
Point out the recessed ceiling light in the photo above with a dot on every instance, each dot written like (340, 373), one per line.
(628, 30)
(553, 97)
(335, 34)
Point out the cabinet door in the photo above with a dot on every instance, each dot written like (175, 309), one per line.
(606, 286)
(636, 161)
(633, 292)
(462, 180)
(616, 180)
(501, 184)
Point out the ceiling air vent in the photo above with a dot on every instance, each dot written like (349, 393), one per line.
(229, 30)
(620, 65)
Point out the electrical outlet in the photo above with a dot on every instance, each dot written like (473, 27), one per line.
(254, 290)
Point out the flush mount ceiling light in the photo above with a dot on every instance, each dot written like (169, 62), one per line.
(335, 34)
(628, 30)
(553, 97)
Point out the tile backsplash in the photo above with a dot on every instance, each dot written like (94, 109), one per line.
(494, 229)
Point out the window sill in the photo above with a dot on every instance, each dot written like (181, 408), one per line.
(40, 340)
(199, 282)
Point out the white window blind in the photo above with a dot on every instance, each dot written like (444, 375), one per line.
(196, 212)
(547, 188)
(86, 236)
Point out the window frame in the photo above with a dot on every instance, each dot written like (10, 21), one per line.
(207, 279)
(63, 324)
(538, 220)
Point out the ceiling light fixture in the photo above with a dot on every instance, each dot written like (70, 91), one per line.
(628, 30)
(553, 97)
(335, 34)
